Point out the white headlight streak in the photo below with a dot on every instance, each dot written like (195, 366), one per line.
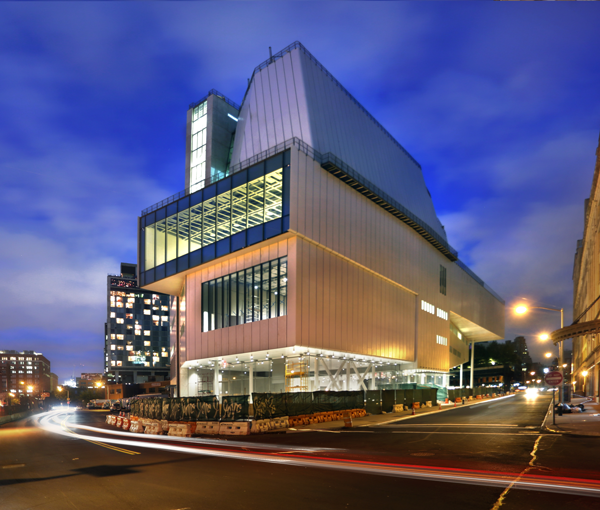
(299, 456)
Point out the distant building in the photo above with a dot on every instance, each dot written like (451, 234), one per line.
(586, 289)
(24, 373)
(53, 382)
(496, 375)
(136, 345)
(120, 390)
(90, 380)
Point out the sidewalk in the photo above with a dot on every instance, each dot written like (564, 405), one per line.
(586, 424)
(382, 419)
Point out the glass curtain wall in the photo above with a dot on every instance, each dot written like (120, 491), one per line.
(217, 218)
(253, 294)
(198, 147)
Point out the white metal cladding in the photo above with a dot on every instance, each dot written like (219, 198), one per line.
(293, 96)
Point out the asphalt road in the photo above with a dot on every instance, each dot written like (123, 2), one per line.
(464, 458)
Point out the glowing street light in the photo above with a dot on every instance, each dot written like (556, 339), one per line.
(523, 309)
(544, 336)
(548, 355)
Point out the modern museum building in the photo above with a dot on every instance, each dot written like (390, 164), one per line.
(305, 252)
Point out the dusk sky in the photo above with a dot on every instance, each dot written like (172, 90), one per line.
(499, 103)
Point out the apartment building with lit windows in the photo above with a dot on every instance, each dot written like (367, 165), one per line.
(23, 373)
(305, 252)
(136, 331)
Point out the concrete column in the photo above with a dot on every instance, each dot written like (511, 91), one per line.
(348, 376)
(461, 376)
(251, 377)
(372, 383)
(472, 363)
(216, 389)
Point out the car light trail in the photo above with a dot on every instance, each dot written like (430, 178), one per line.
(561, 485)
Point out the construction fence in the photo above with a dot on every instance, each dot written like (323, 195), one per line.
(190, 409)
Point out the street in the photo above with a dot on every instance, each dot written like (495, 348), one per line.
(460, 458)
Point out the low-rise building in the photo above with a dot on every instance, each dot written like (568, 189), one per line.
(24, 373)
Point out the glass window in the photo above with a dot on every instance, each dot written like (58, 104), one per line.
(273, 298)
(196, 227)
(208, 225)
(223, 215)
(183, 232)
(233, 306)
(160, 242)
(219, 303)
(149, 234)
(226, 301)
(205, 322)
(239, 212)
(211, 305)
(256, 292)
(241, 302)
(171, 234)
(273, 195)
(256, 201)
(265, 284)
(249, 295)
(283, 286)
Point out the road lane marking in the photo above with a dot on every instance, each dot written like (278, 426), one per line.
(13, 466)
(104, 445)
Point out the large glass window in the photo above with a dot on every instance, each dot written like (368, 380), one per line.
(251, 295)
(209, 213)
(215, 219)
(149, 232)
(224, 215)
(183, 232)
(198, 147)
(256, 202)
(171, 233)
(273, 195)
(160, 242)
(238, 209)
(196, 227)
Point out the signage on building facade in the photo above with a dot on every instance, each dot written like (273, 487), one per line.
(117, 282)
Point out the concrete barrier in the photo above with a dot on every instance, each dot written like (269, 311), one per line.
(154, 427)
(210, 428)
(136, 427)
(241, 428)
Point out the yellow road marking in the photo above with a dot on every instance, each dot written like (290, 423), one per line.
(98, 443)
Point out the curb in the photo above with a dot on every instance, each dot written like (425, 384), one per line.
(553, 431)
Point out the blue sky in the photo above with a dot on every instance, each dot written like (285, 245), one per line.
(499, 102)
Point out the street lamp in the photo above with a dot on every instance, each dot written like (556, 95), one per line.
(60, 388)
(523, 309)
